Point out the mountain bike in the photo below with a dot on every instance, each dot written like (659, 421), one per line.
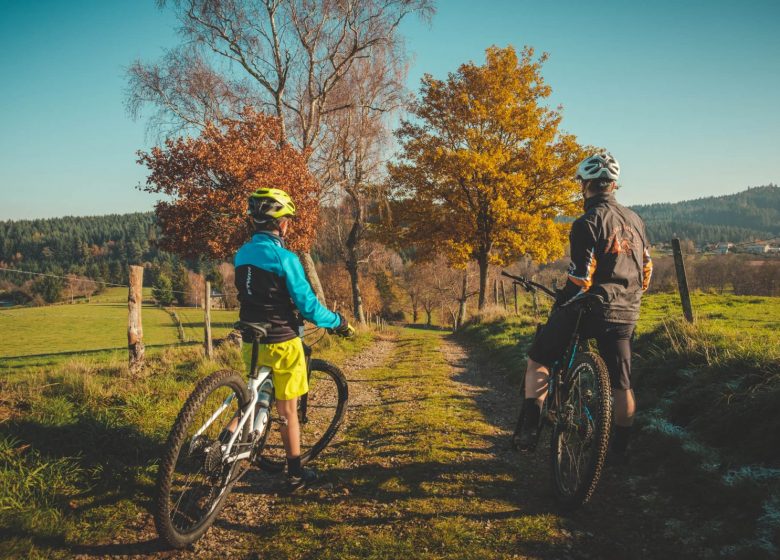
(225, 427)
(578, 408)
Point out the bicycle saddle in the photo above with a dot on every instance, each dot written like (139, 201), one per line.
(252, 331)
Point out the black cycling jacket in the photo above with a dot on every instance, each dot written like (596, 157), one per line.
(609, 257)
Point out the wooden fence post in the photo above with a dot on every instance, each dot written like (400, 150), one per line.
(682, 280)
(495, 292)
(514, 289)
(503, 294)
(135, 330)
(207, 320)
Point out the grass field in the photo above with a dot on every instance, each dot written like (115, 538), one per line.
(37, 336)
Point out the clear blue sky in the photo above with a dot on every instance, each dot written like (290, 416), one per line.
(685, 94)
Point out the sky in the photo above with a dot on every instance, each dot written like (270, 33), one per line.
(683, 93)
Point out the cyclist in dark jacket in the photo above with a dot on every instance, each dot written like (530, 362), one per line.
(272, 288)
(609, 258)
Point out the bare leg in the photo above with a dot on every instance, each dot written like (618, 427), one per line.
(291, 432)
(625, 406)
(536, 376)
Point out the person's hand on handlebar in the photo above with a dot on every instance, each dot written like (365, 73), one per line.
(344, 329)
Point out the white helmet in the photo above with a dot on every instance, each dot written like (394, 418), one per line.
(599, 166)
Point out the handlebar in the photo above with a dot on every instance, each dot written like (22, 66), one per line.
(529, 285)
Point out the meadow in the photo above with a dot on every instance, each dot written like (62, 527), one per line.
(37, 336)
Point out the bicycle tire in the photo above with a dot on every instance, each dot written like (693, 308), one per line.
(327, 403)
(198, 406)
(587, 391)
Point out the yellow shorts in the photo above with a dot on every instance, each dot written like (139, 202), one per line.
(288, 364)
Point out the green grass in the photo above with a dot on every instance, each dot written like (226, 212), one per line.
(79, 443)
(754, 316)
(68, 329)
(50, 335)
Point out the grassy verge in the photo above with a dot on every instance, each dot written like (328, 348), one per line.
(79, 443)
(705, 474)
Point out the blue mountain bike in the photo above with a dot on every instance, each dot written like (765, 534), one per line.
(578, 408)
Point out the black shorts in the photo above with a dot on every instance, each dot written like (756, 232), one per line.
(613, 340)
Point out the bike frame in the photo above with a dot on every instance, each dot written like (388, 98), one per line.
(558, 380)
(257, 377)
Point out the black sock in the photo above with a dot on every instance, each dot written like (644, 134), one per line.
(620, 438)
(294, 466)
(532, 412)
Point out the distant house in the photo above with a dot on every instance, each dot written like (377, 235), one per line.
(723, 247)
(758, 248)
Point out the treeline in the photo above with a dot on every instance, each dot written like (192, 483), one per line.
(81, 255)
(97, 247)
(744, 216)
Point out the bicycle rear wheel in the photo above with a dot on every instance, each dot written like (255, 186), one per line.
(581, 431)
(320, 412)
(195, 475)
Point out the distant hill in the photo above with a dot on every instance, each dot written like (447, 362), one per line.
(744, 216)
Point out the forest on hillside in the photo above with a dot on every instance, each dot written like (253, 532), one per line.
(753, 214)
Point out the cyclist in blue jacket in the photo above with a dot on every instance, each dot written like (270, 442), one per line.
(273, 288)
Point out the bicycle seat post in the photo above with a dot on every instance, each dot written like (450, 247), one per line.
(253, 370)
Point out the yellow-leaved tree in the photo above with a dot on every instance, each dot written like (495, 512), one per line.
(484, 170)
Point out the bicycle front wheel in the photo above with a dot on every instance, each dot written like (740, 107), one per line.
(320, 413)
(197, 473)
(581, 431)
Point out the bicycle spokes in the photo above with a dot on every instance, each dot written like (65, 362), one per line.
(202, 470)
(581, 430)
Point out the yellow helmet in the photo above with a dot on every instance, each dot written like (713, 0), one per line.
(270, 204)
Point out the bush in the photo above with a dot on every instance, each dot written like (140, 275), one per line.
(162, 290)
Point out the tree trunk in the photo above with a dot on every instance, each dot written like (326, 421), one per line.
(311, 274)
(357, 299)
(135, 331)
(353, 240)
(414, 312)
(462, 300)
(482, 261)
(428, 313)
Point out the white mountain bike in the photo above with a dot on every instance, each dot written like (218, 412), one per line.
(203, 459)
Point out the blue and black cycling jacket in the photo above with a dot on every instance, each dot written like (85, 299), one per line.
(272, 288)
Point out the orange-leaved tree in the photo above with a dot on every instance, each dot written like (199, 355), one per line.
(207, 181)
(484, 170)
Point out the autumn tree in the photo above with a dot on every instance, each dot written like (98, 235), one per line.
(207, 181)
(286, 57)
(484, 169)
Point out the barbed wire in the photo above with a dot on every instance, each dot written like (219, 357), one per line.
(104, 283)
